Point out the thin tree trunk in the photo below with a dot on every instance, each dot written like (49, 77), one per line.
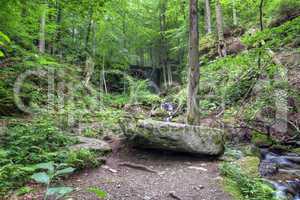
(103, 74)
(142, 57)
(207, 17)
(221, 46)
(234, 14)
(164, 54)
(88, 30)
(57, 46)
(261, 15)
(194, 71)
(42, 29)
(261, 29)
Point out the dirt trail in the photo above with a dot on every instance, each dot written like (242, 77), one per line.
(179, 177)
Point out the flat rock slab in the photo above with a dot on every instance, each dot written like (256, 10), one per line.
(175, 137)
(91, 144)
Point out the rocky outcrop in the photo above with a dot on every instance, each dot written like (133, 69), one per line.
(175, 137)
(91, 144)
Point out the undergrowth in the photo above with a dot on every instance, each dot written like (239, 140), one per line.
(25, 144)
(243, 187)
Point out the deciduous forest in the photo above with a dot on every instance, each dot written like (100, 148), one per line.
(150, 99)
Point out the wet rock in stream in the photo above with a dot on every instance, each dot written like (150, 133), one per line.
(282, 171)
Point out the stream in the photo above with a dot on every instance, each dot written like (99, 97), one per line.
(282, 170)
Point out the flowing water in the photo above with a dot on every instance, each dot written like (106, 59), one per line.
(283, 172)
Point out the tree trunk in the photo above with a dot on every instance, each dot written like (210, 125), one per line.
(193, 73)
(103, 74)
(261, 29)
(57, 45)
(207, 17)
(221, 45)
(261, 15)
(42, 29)
(164, 53)
(88, 31)
(234, 14)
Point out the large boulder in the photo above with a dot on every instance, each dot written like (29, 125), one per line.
(175, 137)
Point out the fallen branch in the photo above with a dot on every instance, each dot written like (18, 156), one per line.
(137, 166)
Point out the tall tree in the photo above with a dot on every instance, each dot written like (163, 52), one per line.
(42, 28)
(207, 17)
(164, 52)
(221, 43)
(234, 14)
(194, 71)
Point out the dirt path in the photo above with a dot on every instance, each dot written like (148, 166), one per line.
(183, 176)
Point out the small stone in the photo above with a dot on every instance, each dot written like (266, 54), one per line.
(109, 169)
(198, 168)
(201, 187)
(147, 198)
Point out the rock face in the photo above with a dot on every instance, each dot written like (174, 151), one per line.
(91, 144)
(176, 137)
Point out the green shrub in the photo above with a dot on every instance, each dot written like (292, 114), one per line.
(275, 38)
(244, 187)
(81, 159)
(28, 143)
(13, 176)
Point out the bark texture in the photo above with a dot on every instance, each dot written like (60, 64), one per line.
(193, 71)
(42, 42)
(219, 17)
(207, 17)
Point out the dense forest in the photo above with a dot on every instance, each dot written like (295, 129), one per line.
(150, 99)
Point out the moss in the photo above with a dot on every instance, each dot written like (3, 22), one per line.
(279, 148)
(296, 150)
(261, 140)
(249, 165)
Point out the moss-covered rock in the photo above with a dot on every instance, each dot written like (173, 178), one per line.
(175, 137)
(261, 139)
(296, 150)
(279, 148)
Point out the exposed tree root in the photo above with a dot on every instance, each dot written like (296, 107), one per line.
(137, 166)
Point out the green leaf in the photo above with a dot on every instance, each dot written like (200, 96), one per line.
(28, 169)
(49, 166)
(41, 177)
(5, 37)
(65, 171)
(1, 54)
(98, 192)
(24, 190)
(59, 191)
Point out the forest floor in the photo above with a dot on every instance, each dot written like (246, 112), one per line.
(173, 176)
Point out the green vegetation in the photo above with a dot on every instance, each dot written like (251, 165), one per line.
(244, 187)
(53, 171)
(261, 140)
(71, 68)
(28, 143)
